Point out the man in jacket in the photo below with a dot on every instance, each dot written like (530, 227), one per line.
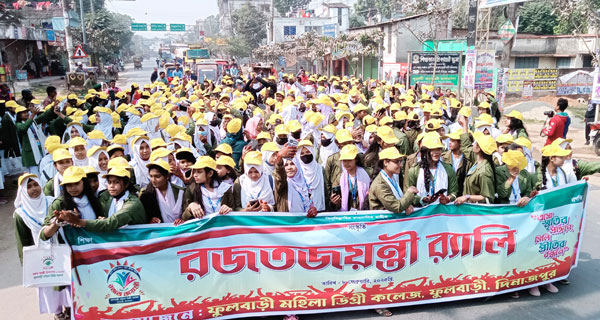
(559, 124)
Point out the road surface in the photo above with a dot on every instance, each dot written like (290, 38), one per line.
(579, 300)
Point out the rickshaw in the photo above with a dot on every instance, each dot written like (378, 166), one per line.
(137, 63)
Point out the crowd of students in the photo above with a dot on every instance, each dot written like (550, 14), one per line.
(168, 153)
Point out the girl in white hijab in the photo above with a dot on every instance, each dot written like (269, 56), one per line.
(254, 188)
(313, 173)
(78, 150)
(99, 161)
(74, 129)
(140, 157)
(31, 208)
(105, 124)
(134, 120)
(328, 146)
(299, 197)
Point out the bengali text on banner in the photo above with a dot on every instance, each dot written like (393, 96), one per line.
(242, 265)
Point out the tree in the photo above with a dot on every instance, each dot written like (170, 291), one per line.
(285, 6)
(537, 17)
(107, 33)
(369, 9)
(211, 26)
(579, 17)
(356, 21)
(249, 31)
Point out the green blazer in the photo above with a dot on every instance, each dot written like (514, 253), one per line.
(381, 197)
(527, 183)
(26, 148)
(413, 175)
(131, 213)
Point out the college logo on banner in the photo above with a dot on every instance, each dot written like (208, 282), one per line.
(123, 282)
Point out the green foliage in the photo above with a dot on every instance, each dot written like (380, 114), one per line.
(356, 21)
(368, 9)
(284, 6)
(537, 17)
(107, 33)
(460, 13)
(211, 26)
(98, 5)
(249, 31)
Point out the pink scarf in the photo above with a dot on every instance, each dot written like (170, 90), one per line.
(363, 181)
(252, 127)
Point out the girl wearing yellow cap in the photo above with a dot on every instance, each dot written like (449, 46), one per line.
(62, 160)
(435, 180)
(140, 157)
(31, 208)
(292, 193)
(480, 185)
(78, 149)
(75, 129)
(574, 168)
(514, 183)
(552, 175)
(162, 200)
(351, 192)
(226, 169)
(99, 161)
(253, 191)
(514, 125)
(385, 192)
(313, 173)
(120, 205)
(207, 195)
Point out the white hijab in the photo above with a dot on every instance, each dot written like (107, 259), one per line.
(33, 211)
(77, 162)
(85, 208)
(142, 178)
(439, 177)
(313, 173)
(134, 121)
(212, 199)
(94, 163)
(170, 210)
(298, 190)
(67, 135)
(267, 167)
(256, 190)
(105, 124)
(325, 152)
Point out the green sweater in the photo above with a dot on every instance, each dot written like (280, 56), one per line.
(381, 196)
(413, 175)
(527, 183)
(26, 146)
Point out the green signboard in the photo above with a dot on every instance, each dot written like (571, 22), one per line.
(158, 27)
(198, 54)
(177, 27)
(139, 27)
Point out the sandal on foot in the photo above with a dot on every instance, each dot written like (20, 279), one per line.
(291, 317)
(383, 312)
(551, 288)
(535, 291)
(515, 295)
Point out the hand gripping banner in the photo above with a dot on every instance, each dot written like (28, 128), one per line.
(241, 265)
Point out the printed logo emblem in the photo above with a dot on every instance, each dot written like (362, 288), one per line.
(123, 281)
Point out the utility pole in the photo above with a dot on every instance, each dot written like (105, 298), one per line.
(272, 26)
(511, 14)
(92, 7)
(82, 21)
(68, 38)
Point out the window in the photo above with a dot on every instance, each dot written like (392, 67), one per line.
(289, 30)
(526, 62)
(315, 29)
(587, 61)
(340, 16)
(563, 62)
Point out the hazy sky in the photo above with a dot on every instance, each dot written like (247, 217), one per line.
(164, 11)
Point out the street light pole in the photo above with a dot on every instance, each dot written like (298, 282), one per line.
(68, 38)
(82, 21)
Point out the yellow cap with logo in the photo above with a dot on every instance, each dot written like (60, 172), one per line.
(349, 152)
(73, 174)
(205, 162)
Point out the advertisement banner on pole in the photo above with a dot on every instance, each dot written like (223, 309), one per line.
(470, 68)
(484, 76)
(252, 265)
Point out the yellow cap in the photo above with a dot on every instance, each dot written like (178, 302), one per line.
(234, 125)
(281, 130)
(348, 152)
(20, 109)
(94, 149)
(485, 142)
(484, 105)
(305, 143)
(72, 96)
(159, 163)
(504, 138)
(90, 170)
(515, 114)
(294, 125)
(413, 116)
(73, 174)
(400, 115)
(119, 139)
(51, 140)
(269, 146)
(523, 142)
(118, 162)
(157, 143)
(329, 128)
(485, 118)
(360, 107)
(24, 176)
(343, 136)
(118, 172)
(465, 111)
(205, 162)
(514, 158)
(432, 124)
(77, 141)
(61, 154)
(559, 142)
(11, 104)
(390, 153)
(431, 140)
(226, 161)
(385, 120)
(224, 148)
(264, 135)
(252, 157)
(96, 134)
(455, 135)
(387, 135)
(159, 153)
(554, 151)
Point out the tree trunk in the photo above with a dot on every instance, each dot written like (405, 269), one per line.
(511, 14)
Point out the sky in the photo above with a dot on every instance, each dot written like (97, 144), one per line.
(164, 11)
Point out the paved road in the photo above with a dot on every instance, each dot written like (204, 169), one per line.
(579, 300)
